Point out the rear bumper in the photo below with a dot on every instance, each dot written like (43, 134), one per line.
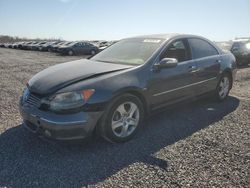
(59, 126)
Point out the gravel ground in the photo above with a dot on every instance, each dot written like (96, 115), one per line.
(203, 144)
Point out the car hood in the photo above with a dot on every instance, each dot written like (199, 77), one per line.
(59, 76)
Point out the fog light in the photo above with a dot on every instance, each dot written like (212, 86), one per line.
(47, 133)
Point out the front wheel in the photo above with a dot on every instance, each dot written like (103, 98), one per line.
(122, 118)
(223, 87)
(92, 52)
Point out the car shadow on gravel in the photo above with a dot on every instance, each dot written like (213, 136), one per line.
(27, 161)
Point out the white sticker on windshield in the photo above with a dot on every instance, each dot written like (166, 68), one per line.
(152, 40)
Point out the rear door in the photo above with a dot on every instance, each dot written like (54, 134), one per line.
(84, 48)
(208, 61)
(173, 84)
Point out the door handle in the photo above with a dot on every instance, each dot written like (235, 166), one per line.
(193, 69)
(218, 61)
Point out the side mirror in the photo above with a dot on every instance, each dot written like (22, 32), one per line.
(166, 63)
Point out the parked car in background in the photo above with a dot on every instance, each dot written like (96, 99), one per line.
(6, 45)
(9, 45)
(25, 45)
(105, 45)
(37, 45)
(241, 50)
(31, 45)
(77, 48)
(113, 91)
(15, 45)
(48, 45)
(54, 47)
(20, 44)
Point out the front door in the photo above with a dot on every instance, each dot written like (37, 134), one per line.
(170, 85)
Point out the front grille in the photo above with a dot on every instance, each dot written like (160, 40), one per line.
(33, 100)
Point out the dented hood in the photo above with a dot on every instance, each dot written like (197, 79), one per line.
(59, 76)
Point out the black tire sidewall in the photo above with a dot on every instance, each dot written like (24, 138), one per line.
(107, 131)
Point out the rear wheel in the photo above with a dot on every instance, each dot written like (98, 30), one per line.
(122, 118)
(70, 52)
(223, 87)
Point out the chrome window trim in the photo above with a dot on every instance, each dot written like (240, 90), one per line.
(189, 85)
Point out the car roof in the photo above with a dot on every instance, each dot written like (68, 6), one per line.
(160, 36)
(168, 36)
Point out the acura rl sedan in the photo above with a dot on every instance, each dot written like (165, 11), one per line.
(111, 92)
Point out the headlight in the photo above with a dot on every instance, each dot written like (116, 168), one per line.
(248, 45)
(70, 100)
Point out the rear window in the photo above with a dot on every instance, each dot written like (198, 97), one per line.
(201, 48)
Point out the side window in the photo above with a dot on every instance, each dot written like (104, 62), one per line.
(177, 50)
(201, 48)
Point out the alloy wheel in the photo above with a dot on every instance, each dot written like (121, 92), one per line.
(125, 119)
(224, 87)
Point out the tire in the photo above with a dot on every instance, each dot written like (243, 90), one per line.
(117, 127)
(70, 52)
(92, 52)
(223, 87)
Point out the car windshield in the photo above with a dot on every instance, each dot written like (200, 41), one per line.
(63, 43)
(69, 44)
(130, 51)
(72, 43)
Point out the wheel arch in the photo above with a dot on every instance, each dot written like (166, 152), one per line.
(141, 97)
(99, 129)
(71, 49)
(136, 92)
